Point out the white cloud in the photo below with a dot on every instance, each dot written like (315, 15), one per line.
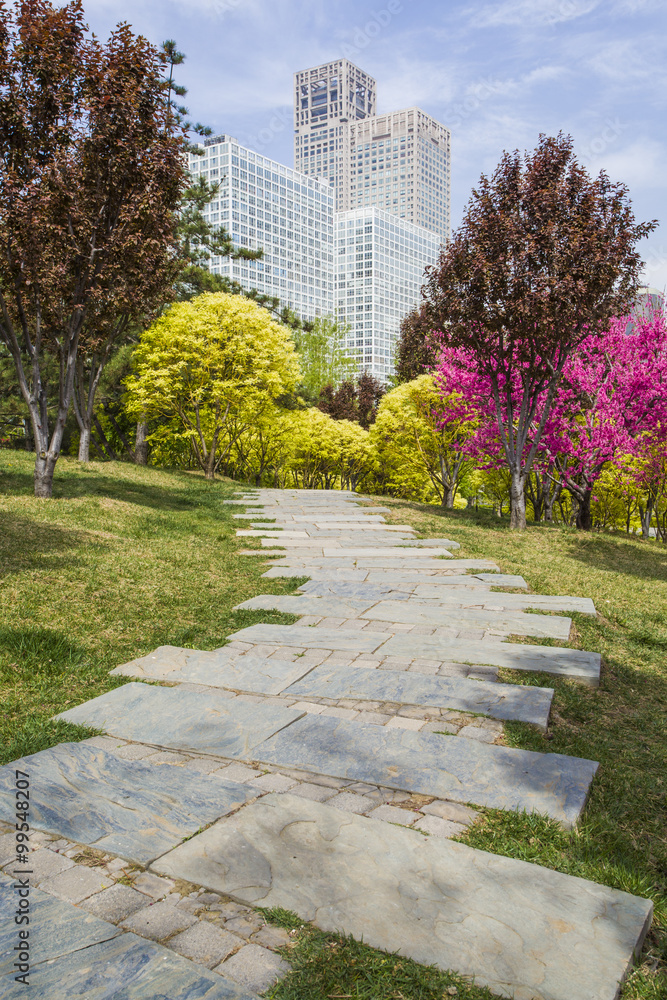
(531, 12)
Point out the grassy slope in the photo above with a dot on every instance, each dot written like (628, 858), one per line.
(124, 559)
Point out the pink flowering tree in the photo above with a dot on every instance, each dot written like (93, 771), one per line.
(611, 402)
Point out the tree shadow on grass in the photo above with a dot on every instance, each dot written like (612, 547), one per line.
(29, 545)
(69, 484)
(617, 555)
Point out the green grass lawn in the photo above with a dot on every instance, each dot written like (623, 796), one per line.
(125, 559)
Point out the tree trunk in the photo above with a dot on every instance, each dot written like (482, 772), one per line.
(549, 504)
(44, 468)
(517, 502)
(584, 521)
(448, 498)
(84, 445)
(141, 444)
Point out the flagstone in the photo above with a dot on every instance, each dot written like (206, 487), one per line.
(575, 663)
(517, 622)
(519, 929)
(221, 668)
(206, 722)
(501, 701)
(126, 967)
(446, 767)
(119, 806)
(58, 928)
(311, 638)
(544, 602)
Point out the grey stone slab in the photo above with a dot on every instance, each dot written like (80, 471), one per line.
(277, 572)
(423, 565)
(311, 638)
(56, 928)
(522, 930)
(516, 622)
(446, 543)
(353, 591)
(500, 701)
(293, 605)
(574, 663)
(411, 578)
(446, 767)
(216, 669)
(543, 602)
(122, 807)
(394, 551)
(502, 580)
(125, 968)
(203, 721)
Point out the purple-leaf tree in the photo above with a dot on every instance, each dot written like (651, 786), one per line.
(544, 258)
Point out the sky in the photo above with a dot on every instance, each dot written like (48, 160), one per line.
(496, 73)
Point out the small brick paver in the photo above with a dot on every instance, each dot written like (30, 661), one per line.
(115, 903)
(159, 921)
(75, 884)
(254, 967)
(205, 943)
(437, 827)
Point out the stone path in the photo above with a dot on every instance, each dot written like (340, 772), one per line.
(322, 767)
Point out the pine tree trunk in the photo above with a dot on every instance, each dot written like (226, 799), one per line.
(141, 444)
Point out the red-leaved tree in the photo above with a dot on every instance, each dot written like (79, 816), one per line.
(545, 258)
(91, 170)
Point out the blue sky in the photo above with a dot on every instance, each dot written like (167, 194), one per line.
(496, 73)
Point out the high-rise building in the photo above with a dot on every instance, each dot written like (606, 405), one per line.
(401, 163)
(326, 99)
(379, 273)
(264, 204)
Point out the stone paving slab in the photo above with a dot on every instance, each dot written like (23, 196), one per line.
(500, 701)
(311, 638)
(443, 766)
(289, 572)
(516, 622)
(439, 565)
(574, 663)
(543, 602)
(390, 551)
(118, 806)
(522, 930)
(413, 613)
(125, 968)
(216, 669)
(291, 604)
(183, 720)
(346, 591)
(56, 928)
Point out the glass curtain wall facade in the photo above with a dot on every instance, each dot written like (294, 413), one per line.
(379, 273)
(266, 205)
(401, 163)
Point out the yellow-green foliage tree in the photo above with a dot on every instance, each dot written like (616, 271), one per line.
(206, 363)
(315, 455)
(419, 455)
